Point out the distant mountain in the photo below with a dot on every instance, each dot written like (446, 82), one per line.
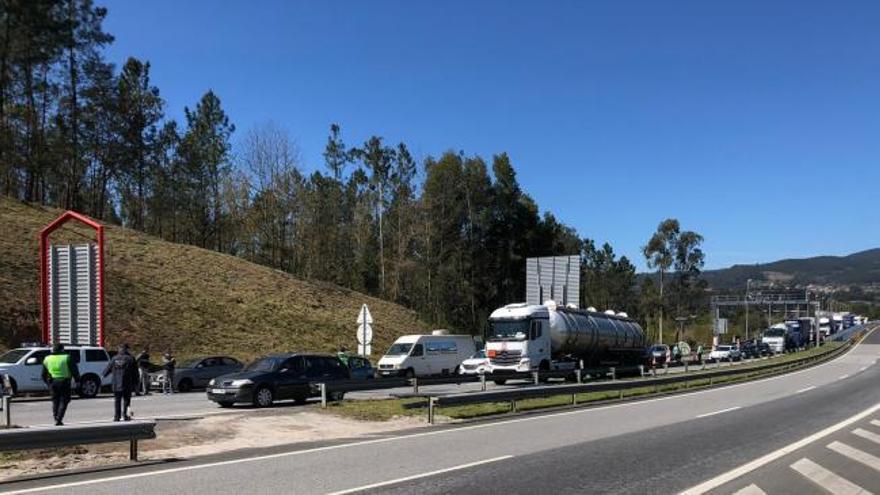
(858, 269)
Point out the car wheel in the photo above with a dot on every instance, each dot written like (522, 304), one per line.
(89, 387)
(225, 405)
(184, 385)
(336, 396)
(302, 399)
(457, 370)
(410, 374)
(263, 397)
(499, 382)
(14, 386)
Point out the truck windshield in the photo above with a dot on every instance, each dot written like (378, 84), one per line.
(507, 329)
(774, 332)
(399, 350)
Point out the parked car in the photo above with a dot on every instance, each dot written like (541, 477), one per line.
(658, 354)
(476, 364)
(277, 377)
(750, 349)
(361, 368)
(196, 373)
(725, 353)
(24, 366)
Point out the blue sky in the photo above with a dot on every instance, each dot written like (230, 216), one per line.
(755, 123)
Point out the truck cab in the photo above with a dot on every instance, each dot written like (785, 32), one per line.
(518, 339)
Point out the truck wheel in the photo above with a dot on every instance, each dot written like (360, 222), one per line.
(500, 382)
(89, 387)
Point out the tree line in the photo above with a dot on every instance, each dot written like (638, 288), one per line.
(446, 236)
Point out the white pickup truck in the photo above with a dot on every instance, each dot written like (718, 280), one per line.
(24, 366)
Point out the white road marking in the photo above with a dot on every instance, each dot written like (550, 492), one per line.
(863, 368)
(855, 454)
(826, 479)
(843, 377)
(751, 490)
(713, 413)
(811, 387)
(772, 456)
(867, 435)
(417, 476)
(451, 430)
(875, 422)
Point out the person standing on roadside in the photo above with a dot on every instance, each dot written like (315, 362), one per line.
(170, 363)
(125, 379)
(143, 363)
(58, 369)
(342, 355)
(700, 353)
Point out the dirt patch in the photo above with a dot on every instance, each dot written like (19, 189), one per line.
(208, 435)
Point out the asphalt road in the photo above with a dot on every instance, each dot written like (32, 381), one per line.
(194, 404)
(660, 445)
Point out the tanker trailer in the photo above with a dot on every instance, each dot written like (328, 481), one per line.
(522, 338)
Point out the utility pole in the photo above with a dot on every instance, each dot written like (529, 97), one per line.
(748, 284)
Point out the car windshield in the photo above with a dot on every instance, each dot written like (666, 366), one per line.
(659, 348)
(265, 364)
(479, 355)
(399, 350)
(507, 329)
(190, 363)
(13, 356)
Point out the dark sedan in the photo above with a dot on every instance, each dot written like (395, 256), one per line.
(277, 377)
(196, 373)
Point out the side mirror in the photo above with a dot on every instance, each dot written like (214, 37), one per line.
(284, 370)
(200, 365)
(31, 360)
(520, 336)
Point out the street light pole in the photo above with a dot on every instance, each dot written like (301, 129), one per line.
(748, 284)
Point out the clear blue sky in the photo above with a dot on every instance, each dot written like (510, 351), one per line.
(755, 123)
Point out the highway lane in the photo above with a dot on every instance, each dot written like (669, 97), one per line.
(195, 404)
(661, 444)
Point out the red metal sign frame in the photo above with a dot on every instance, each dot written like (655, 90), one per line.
(44, 268)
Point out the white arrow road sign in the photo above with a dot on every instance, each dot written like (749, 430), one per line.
(364, 331)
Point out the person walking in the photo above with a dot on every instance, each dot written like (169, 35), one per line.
(143, 363)
(58, 369)
(700, 353)
(170, 363)
(125, 379)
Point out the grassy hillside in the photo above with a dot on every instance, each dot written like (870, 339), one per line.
(193, 300)
(862, 268)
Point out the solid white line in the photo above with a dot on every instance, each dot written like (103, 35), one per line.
(826, 479)
(751, 490)
(417, 476)
(772, 456)
(843, 377)
(719, 412)
(811, 387)
(867, 435)
(855, 454)
(863, 368)
(425, 434)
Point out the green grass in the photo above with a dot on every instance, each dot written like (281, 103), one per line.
(190, 299)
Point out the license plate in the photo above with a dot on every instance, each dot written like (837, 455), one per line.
(218, 391)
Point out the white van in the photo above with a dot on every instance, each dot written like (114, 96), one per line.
(424, 355)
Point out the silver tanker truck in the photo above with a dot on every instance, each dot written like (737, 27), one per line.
(522, 338)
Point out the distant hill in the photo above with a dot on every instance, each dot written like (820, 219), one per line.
(194, 300)
(858, 269)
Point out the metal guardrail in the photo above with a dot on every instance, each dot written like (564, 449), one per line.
(514, 395)
(42, 437)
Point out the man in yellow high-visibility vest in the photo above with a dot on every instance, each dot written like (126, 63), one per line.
(58, 370)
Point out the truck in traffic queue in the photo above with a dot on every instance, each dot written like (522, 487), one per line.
(527, 337)
(775, 337)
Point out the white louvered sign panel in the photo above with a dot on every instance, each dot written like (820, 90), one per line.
(73, 285)
(553, 277)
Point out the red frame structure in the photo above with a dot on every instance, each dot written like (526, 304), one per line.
(44, 268)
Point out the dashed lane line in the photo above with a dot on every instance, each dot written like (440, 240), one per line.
(722, 411)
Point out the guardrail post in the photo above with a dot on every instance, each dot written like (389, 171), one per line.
(430, 410)
(133, 450)
(323, 395)
(573, 398)
(535, 375)
(686, 365)
(577, 374)
(415, 384)
(613, 373)
(665, 368)
(653, 371)
(7, 411)
(483, 381)
(642, 370)
(513, 405)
